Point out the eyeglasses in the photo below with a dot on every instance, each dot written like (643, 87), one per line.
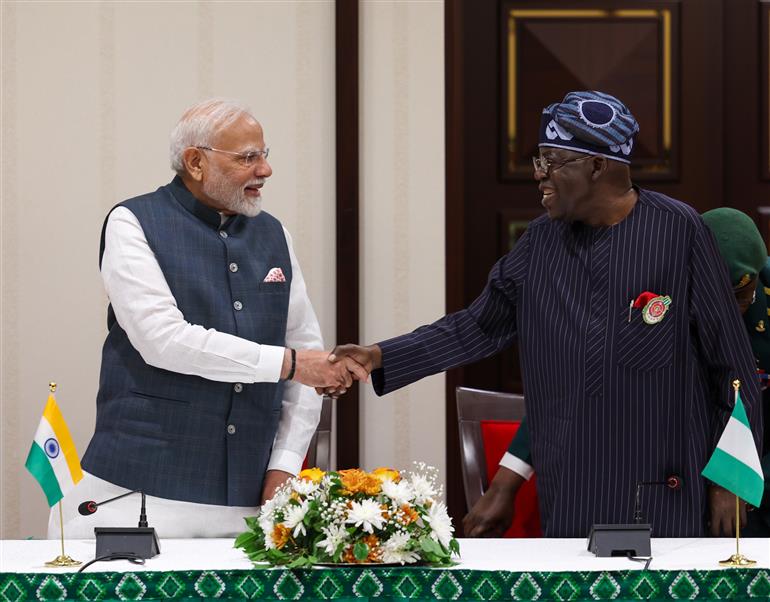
(547, 165)
(247, 159)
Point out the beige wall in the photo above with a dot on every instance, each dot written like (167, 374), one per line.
(402, 198)
(89, 94)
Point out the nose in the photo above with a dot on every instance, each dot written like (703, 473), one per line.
(539, 174)
(262, 169)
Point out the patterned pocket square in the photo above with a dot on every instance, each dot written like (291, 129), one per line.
(275, 275)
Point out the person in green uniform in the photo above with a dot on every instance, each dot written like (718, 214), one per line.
(745, 254)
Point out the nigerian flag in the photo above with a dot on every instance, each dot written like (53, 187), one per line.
(735, 462)
(53, 459)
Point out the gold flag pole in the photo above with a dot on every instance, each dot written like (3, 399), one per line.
(62, 559)
(737, 559)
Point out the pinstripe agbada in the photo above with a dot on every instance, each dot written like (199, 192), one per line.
(610, 401)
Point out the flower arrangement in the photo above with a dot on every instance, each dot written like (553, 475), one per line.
(353, 516)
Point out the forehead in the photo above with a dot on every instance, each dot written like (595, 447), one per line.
(244, 132)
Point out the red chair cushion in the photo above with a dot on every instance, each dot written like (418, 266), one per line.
(497, 436)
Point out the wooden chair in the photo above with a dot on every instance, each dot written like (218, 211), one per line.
(478, 411)
(319, 451)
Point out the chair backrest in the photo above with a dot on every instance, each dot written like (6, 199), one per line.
(473, 407)
(319, 451)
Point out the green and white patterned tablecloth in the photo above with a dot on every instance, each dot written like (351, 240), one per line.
(535, 569)
(389, 584)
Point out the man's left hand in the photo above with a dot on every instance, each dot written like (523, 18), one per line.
(722, 511)
(273, 480)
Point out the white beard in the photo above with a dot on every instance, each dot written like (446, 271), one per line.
(232, 198)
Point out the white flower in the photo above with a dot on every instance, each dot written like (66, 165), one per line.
(266, 524)
(303, 486)
(440, 523)
(423, 488)
(400, 492)
(294, 517)
(335, 535)
(279, 500)
(366, 514)
(393, 550)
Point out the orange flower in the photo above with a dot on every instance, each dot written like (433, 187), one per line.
(355, 480)
(375, 551)
(410, 515)
(280, 535)
(312, 474)
(383, 474)
(347, 555)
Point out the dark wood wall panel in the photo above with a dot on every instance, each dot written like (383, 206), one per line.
(347, 215)
(764, 78)
(746, 135)
(632, 54)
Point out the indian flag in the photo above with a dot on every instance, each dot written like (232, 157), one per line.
(735, 462)
(53, 459)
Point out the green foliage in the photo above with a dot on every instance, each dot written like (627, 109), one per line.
(360, 551)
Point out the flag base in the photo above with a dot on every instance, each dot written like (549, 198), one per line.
(737, 560)
(63, 560)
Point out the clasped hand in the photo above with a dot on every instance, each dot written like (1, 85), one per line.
(333, 373)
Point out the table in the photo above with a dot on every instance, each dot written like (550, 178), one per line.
(496, 569)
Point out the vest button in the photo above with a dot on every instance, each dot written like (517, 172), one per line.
(223, 234)
(238, 306)
(233, 267)
(231, 429)
(237, 387)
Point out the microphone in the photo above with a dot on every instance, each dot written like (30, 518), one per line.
(123, 542)
(673, 482)
(89, 507)
(631, 540)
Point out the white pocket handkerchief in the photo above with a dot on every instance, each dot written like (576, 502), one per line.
(275, 275)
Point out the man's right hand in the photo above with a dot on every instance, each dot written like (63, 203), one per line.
(315, 370)
(354, 356)
(493, 513)
(369, 358)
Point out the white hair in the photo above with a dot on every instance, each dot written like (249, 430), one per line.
(198, 125)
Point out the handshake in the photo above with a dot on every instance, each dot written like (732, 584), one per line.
(332, 373)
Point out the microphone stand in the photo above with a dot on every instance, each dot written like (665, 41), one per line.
(127, 543)
(630, 540)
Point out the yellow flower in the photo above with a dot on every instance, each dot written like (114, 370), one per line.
(280, 535)
(383, 474)
(355, 480)
(312, 474)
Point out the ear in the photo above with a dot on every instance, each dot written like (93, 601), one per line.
(598, 167)
(193, 163)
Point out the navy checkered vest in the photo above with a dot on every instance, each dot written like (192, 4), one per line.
(185, 437)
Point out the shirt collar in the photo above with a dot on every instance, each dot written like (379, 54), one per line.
(180, 192)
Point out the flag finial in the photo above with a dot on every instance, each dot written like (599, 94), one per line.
(52, 386)
(736, 385)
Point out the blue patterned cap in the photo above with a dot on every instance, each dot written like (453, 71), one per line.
(590, 122)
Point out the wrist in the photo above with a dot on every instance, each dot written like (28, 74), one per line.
(507, 480)
(293, 367)
(289, 365)
(376, 355)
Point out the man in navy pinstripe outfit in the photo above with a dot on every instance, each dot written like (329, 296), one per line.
(628, 332)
